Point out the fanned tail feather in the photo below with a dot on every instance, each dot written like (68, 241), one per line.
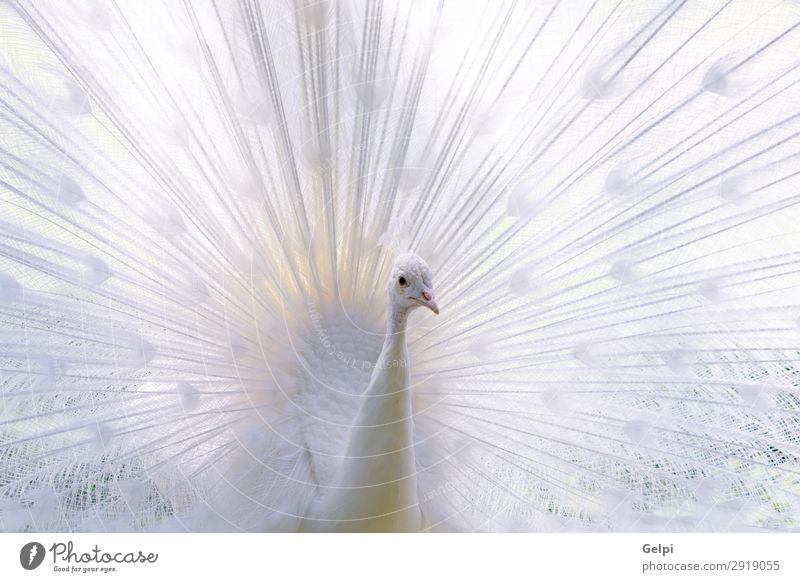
(200, 205)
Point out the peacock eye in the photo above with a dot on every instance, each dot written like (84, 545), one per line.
(402, 281)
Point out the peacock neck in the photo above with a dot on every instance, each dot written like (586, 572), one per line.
(396, 324)
(376, 484)
(390, 377)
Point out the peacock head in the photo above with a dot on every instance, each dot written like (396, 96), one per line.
(411, 284)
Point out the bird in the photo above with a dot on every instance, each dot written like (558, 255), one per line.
(221, 223)
(378, 463)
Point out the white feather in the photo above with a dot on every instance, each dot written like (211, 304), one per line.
(200, 204)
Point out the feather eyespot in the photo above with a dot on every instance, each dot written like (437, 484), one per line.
(402, 281)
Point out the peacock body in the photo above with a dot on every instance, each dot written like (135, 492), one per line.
(206, 210)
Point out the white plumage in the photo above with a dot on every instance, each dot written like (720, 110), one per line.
(375, 484)
(201, 204)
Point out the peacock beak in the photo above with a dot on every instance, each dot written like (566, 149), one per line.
(429, 301)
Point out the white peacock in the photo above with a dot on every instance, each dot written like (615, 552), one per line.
(201, 204)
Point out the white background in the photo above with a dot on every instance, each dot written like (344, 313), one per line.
(540, 557)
